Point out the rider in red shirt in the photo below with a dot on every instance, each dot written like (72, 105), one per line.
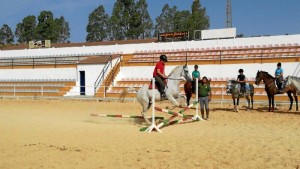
(159, 75)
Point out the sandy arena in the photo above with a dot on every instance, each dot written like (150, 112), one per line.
(61, 134)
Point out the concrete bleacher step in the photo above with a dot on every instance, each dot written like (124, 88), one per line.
(35, 88)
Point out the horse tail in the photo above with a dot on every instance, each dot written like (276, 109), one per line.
(125, 92)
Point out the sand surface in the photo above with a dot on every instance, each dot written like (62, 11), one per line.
(61, 134)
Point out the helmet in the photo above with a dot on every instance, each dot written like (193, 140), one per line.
(241, 71)
(196, 66)
(279, 64)
(163, 58)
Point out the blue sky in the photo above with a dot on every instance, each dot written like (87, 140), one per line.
(250, 17)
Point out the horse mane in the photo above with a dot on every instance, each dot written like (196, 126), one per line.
(270, 76)
(294, 78)
(173, 71)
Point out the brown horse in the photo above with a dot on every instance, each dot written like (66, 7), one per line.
(272, 90)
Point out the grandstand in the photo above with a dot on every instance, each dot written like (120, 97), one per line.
(105, 69)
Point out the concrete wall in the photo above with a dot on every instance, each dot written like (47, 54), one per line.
(133, 48)
(212, 71)
(47, 74)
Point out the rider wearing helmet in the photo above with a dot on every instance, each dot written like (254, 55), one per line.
(279, 76)
(159, 75)
(241, 79)
(195, 74)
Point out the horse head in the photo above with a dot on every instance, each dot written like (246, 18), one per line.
(259, 77)
(185, 73)
(231, 86)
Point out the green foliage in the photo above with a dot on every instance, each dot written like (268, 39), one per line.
(130, 20)
(6, 35)
(46, 27)
(166, 21)
(97, 27)
(171, 20)
(63, 31)
(198, 20)
(146, 25)
(25, 31)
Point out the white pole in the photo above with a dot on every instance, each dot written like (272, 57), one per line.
(197, 117)
(153, 125)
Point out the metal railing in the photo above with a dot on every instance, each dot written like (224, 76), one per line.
(297, 70)
(101, 76)
(34, 62)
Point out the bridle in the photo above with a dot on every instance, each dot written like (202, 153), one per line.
(183, 70)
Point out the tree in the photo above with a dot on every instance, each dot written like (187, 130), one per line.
(63, 31)
(123, 19)
(116, 23)
(25, 31)
(165, 22)
(97, 27)
(46, 27)
(49, 28)
(6, 35)
(146, 26)
(181, 21)
(198, 20)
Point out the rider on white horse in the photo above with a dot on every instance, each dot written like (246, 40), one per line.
(159, 75)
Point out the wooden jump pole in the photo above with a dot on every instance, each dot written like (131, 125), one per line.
(122, 116)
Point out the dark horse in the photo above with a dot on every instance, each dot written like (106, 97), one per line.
(189, 91)
(233, 88)
(272, 90)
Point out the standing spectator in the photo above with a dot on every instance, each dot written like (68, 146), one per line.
(204, 93)
(195, 74)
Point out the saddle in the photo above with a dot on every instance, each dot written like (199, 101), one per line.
(151, 86)
(155, 86)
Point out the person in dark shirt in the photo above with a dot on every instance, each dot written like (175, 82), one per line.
(241, 79)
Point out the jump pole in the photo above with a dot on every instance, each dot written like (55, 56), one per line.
(197, 117)
(122, 116)
(153, 125)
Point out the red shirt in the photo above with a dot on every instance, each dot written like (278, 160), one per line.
(161, 66)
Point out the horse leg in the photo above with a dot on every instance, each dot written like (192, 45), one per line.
(188, 98)
(289, 93)
(234, 104)
(248, 101)
(237, 104)
(174, 102)
(269, 98)
(272, 103)
(296, 100)
(146, 104)
(252, 101)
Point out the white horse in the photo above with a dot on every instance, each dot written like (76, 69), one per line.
(172, 90)
(294, 81)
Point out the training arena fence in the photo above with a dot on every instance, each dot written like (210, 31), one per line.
(43, 92)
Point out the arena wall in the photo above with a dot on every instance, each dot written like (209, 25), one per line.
(47, 74)
(136, 48)
(212, 71)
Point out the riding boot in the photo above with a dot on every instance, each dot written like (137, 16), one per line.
(202, 113)
(207, 114)
(163, 95)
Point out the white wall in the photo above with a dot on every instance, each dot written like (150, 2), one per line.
(212, 71)
(49, 74)
(92, 72)
(132, 48)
